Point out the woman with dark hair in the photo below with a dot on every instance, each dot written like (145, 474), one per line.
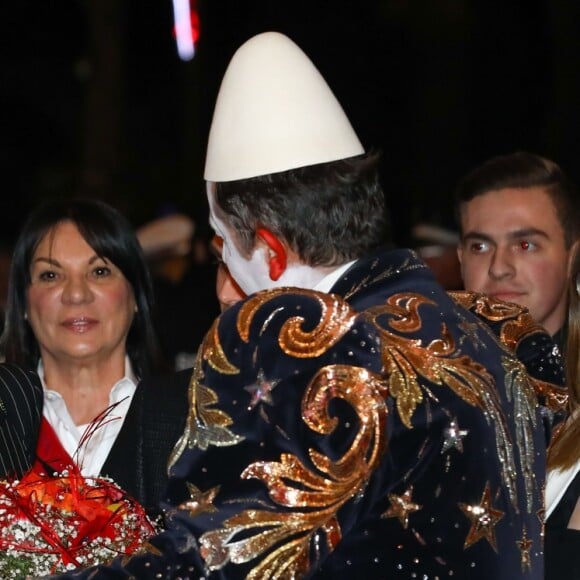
(79, 311)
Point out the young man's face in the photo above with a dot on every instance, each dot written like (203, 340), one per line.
(512, 247)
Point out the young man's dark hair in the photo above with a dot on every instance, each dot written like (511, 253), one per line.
(523, 170)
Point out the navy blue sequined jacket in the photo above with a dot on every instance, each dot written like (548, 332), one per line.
(380, 431)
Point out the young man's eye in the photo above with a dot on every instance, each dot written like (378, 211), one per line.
(526, 245)
(478, 247)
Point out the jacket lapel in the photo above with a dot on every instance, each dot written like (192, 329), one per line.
(125, 461)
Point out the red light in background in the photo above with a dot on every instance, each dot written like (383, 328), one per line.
(187, 28)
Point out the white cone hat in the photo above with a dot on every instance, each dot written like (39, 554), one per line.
(275, 112)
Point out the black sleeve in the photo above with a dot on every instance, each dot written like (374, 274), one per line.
(21, 398)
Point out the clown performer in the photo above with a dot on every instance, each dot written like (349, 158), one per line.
(349, 417)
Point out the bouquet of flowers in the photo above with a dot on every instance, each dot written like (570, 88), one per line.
(53, 523)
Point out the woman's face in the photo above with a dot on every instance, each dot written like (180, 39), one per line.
(80, 306)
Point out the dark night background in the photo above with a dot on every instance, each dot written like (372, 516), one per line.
(94, 99)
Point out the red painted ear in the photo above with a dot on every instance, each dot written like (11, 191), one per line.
(278, 258)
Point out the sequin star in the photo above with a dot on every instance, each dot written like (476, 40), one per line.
(401, 507)
(483, 519)
(200, 501)
(453, 437)
(261, 390)
(525, 546)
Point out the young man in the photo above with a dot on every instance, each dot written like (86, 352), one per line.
(348, 417)
(519, 220)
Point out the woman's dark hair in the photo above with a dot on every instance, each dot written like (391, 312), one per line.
(328, 213)
(113, 238)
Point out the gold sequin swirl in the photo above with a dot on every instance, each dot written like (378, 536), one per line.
(488, 307)
(214, 354)
(407, 360)
(553, 396)
(518, 322)
(512, 333)
(283, 539)
(335, 320)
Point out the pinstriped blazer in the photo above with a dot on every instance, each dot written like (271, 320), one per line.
(21, 399)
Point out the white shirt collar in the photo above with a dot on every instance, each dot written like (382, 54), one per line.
(93, 454)
(330, 279)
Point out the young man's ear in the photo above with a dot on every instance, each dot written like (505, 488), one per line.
(277, 255)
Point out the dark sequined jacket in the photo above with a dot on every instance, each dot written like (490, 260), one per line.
(380, 431)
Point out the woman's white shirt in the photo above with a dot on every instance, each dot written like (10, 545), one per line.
(91, 456)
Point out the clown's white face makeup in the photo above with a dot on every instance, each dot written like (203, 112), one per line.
(253, 274)
(250, 274)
